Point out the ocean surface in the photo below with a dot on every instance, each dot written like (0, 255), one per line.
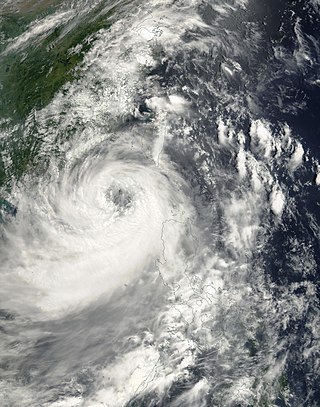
(159, 203)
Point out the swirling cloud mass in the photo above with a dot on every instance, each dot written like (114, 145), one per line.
(162, 247)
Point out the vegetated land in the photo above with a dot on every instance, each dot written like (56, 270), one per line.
(27, 6)
(31, 75)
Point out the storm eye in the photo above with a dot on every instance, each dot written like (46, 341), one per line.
(120, 198)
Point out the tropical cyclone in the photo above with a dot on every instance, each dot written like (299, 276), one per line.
(146, 263)
(96, 226)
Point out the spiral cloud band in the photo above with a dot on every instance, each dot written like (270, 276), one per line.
(97, 226)
(159, 248)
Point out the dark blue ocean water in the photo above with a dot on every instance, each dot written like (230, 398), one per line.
(259, 63)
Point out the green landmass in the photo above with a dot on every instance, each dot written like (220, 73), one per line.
(31, 76)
